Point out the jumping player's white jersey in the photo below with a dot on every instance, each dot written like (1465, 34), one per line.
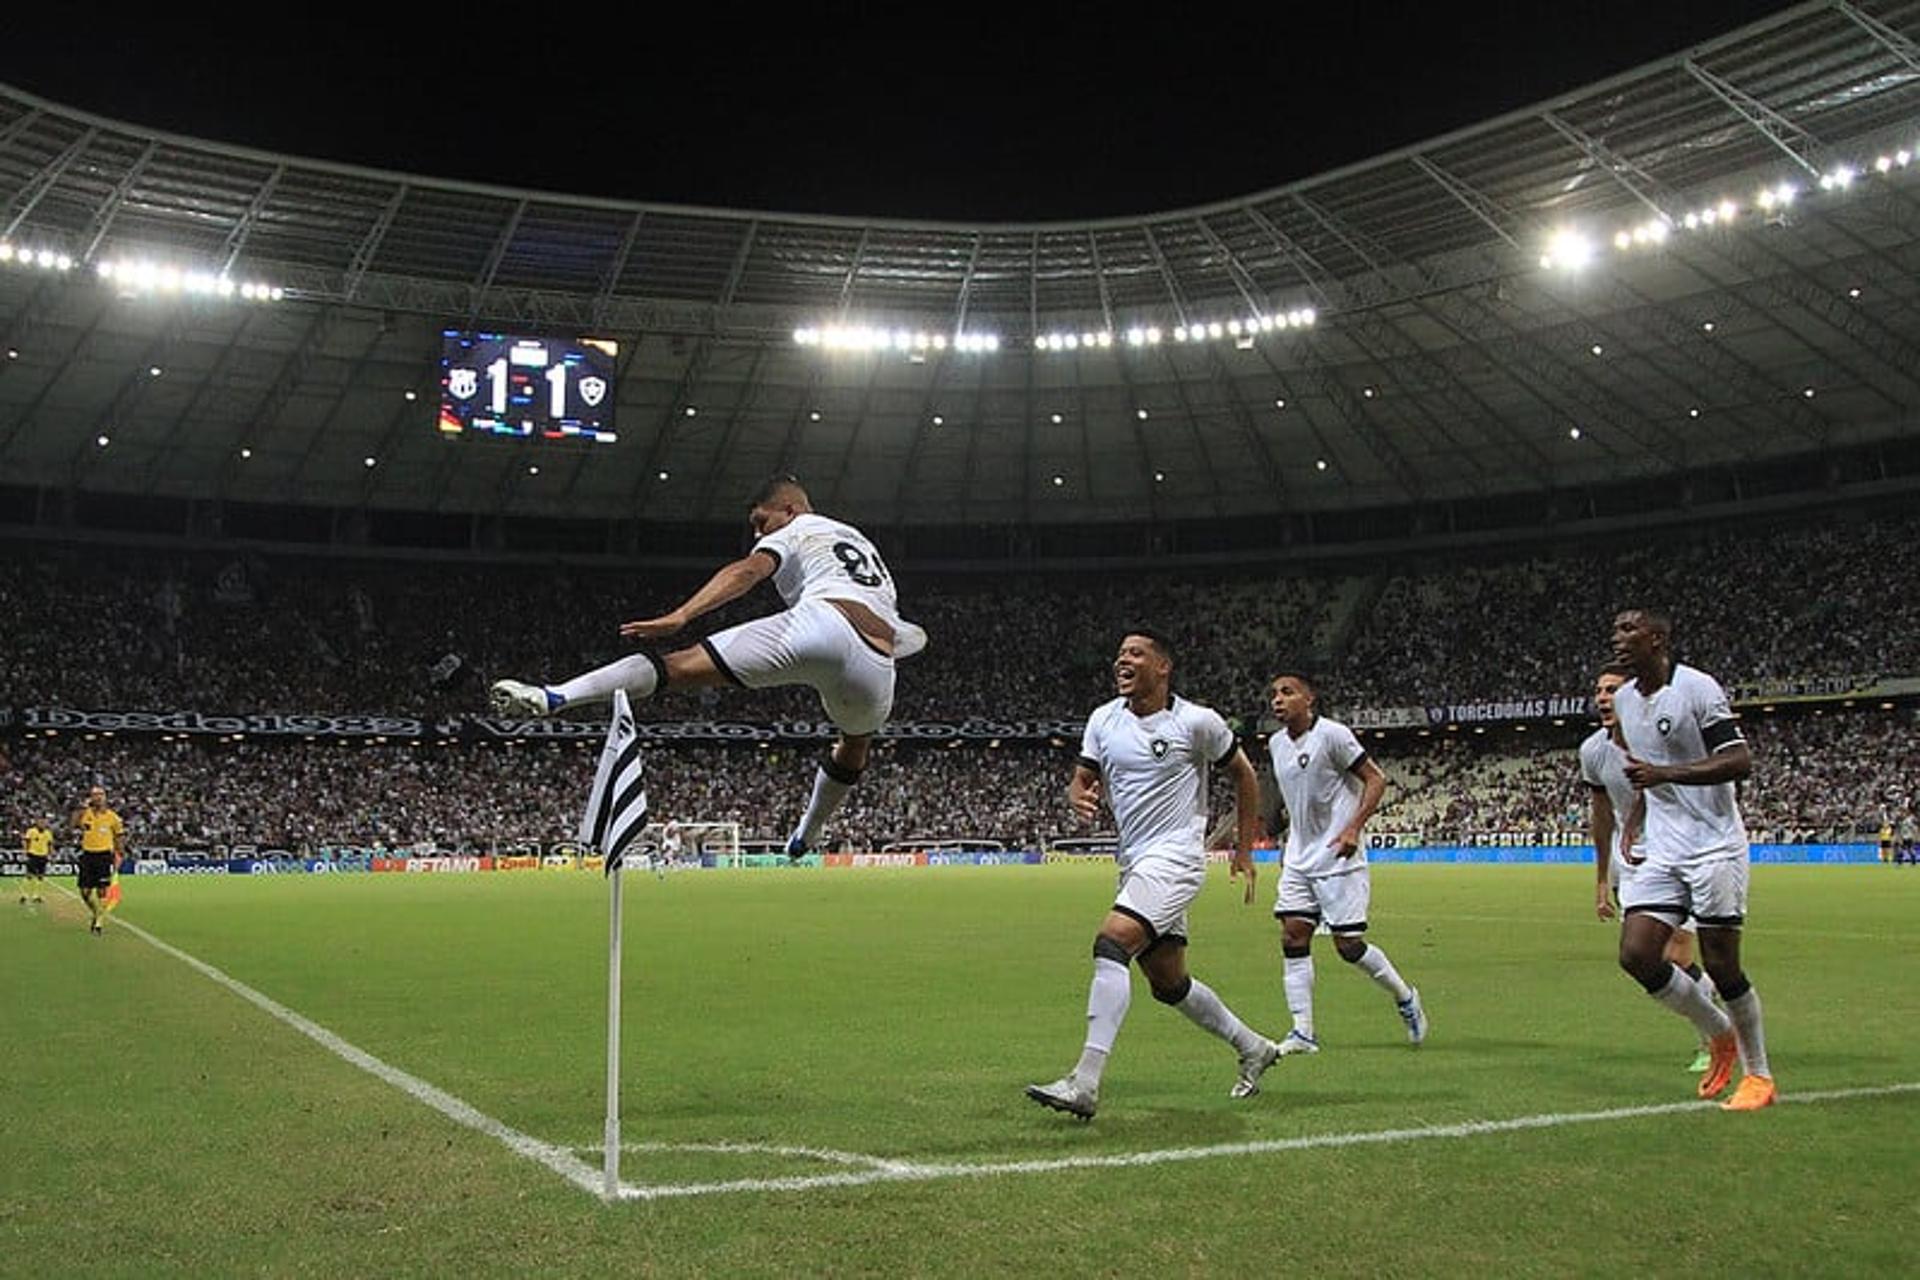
(1604, 765)
(1685, 720)
(1155, 770)
(816, 558)
(1317, 780)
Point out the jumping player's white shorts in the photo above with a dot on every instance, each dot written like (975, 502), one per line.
(1158, 891)
(1339, 902)
(1712, 892)
(813, 644)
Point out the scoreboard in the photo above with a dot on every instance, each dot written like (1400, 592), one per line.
(526, 387)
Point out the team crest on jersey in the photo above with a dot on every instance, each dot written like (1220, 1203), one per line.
(1159, 748)
(1664, 725)
(1304, 757)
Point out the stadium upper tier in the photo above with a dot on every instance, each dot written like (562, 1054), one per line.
(238, 325)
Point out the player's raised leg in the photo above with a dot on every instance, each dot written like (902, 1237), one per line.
(1165, 964)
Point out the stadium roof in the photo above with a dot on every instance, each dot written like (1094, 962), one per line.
(1446, 363)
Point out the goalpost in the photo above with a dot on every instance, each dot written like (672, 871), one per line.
(669, 846)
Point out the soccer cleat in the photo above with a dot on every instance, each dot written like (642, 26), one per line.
(797, 849)
(1298, 1043)
(1754, 1093)
(1722, 1051)
(1701, 1061)
(513, 698)
(1414, 1014)
(1066, 1094)
(1252, 1067)
(96, 927)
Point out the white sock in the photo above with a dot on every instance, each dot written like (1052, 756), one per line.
(1685, 997)
(1745, 1014)
(1374, 963)
(1706, 984)
(1298, 980)
(827, 795)
(1107, 999)
(636, 674)
(1206, 1009)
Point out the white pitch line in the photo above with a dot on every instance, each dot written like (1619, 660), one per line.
(822, 1154)
(1178, 1155)
(558, 1159)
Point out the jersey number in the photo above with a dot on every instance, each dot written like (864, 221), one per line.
(862, 568)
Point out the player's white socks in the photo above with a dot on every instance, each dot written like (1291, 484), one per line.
(1206, 1009)
(1745, 1014)
(828, 792)
(1374, 963)
(1297, 977)
(638, 674)
(1688, 999)
(1107, 999)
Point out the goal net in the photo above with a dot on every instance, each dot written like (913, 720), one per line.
(670, 846)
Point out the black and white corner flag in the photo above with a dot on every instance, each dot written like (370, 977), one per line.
(617, 809)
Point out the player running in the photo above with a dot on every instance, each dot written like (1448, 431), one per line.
(1331, 788)
(1603, 767)
(1684, 753)
(839, 635)
(1148, 753)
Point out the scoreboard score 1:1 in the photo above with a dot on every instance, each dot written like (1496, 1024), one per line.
(527, 388)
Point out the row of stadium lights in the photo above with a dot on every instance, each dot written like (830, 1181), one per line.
(143, 276)
(1570, 249)
(917, 343)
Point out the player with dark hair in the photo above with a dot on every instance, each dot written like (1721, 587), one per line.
(37, 841)
(1331, 788)
(102, 845)
(1148, 753)
(839, 635)
(1616, 820)
(1684, 754)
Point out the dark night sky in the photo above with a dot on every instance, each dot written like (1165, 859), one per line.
(937, 111)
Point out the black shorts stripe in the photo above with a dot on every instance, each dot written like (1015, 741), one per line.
(720, 663)
(1347, 928)
(1153, 934)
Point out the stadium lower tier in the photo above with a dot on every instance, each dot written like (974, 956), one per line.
(1818, 778)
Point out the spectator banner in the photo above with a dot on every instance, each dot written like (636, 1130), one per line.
(487, 728)
(437, 864)
(516, 863)
(1506, 712)
(1392, 840)
(1388, 718)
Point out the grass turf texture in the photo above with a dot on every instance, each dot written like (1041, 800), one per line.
(161, 1124)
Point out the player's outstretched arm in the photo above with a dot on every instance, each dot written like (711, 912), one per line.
(729, 582)
(1246, 792)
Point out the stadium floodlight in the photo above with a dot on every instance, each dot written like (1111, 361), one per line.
(1693, 412)
(1883, 164)
(533, 470)
(102, 441)
(1808, 393)
(1320, 465)
(1057, 419)
(939, 421)
(1071, 342)
(1854, 292)
(369, 462)
(1058, 481)
(1597, 349)
(1180, 333)
(1728, 210)
(6, 251)
(1136, 337)
(939, 342)
(1106, 337)
(1568, 249)
(1233, 327)
(1040, 342)
(1279, 404)
(1707, 326)
(1159, 477)
(246, 452)
(1902, 158)
(154, 371)
(692, 412)
(1691, 222)
(1573, 433)
(813, 416)
(662, 475)
(1153, 336)
(1140, 414)
(1623, 240)
(1216, 330)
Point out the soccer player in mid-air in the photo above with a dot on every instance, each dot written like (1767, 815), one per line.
(1149, 754)
(1331, 788)
(1603, 767)
(839, 635)
(1684, 754)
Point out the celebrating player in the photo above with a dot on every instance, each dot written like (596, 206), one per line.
(839, 635)
(1148, 753)
(1603, 767)
(1330, 788)
(1684, 753)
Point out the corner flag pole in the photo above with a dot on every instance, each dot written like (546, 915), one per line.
(610, 1181)
(616, 811)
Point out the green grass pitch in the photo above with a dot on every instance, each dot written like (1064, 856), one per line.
(159, 1124)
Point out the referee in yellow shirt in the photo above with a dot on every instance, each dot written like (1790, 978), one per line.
(103, 841)
(38, 843)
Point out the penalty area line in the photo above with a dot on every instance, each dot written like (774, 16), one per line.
(916, 1172)
(558, 1159)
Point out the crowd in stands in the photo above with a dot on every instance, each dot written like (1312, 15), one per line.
(1816, 777)
(238, 632)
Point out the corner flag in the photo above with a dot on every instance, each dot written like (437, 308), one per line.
(617, 807)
